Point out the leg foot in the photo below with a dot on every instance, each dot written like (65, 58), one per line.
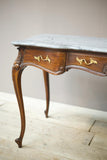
(19, 142)
(46, 113)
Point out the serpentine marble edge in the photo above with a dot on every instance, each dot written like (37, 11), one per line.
(65, 42)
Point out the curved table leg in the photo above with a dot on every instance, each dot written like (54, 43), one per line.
(16, 74)
(46, 81)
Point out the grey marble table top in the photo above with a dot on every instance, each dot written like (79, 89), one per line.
(65, 42)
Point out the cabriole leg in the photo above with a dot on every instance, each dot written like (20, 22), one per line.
(46, 81)
(16, 74)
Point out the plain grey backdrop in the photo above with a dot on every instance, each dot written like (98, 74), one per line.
(25, 18)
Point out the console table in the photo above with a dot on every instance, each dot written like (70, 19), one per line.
(57, 54)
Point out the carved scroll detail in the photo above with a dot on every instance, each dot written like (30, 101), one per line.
(19, 60)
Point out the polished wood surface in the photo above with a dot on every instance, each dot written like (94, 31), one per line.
(57, 59)
(98, 69)
(46, 81)
(16, 75)
(54, 61)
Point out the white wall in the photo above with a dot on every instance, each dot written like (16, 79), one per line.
(24, 18)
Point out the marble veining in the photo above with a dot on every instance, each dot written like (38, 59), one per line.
(65, 42)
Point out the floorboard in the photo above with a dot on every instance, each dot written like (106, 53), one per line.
(70, 132)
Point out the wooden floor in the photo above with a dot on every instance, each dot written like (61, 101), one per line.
(70, 133)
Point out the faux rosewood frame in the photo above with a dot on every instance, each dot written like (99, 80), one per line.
(53, 61)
